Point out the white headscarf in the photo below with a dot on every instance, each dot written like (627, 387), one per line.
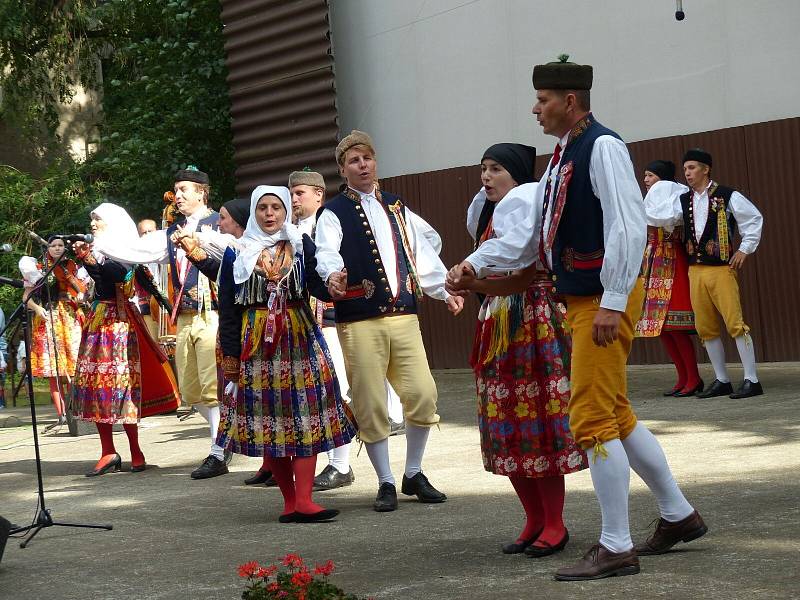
(119, 235)
(255, 239)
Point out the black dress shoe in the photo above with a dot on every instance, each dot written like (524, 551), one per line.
(386, 500)
(692, 392)
(748, 389)
(671, 391)
(138, 468)
(115, 464)
(518, 547)
(322, 516)
(258, 478)
(717, 388)
(211, 467)
(420, 487)
(287, 518)
(331, 478)
(546, 550)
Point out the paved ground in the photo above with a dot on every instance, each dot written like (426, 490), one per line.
(737, 461)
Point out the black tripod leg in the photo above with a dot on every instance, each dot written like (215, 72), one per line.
(106, 527)
(36, 529)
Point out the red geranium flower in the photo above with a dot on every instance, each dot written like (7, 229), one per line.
(325, 569)
(249, 569)
(302, 578)
(292, 560)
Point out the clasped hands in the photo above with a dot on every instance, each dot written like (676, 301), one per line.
(185, 239)
(337, 288)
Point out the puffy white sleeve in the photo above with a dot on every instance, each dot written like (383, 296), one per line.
(662, 204)
(430, 268)
(150, 248)
(748, 220)
(214, 242)
(328, 239)
(474, 212)
(29, 270)
(624, 222)
(516, 223)
(424, 228)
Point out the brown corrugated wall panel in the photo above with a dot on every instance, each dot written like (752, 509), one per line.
(760, 160)
(282, 89)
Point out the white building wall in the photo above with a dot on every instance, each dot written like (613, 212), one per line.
(435, 82)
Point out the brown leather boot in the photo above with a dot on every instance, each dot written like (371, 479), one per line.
(668, 534)
(599, 562)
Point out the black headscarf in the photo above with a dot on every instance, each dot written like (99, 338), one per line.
(665, 169)
(239, 210)
(518, 160)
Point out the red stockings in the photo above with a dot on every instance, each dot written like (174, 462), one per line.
(295, 478)
(679, 346)
(543, 501)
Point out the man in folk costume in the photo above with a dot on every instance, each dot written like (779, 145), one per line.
(592, 238)
(308, 193)
(194, 307)
(710, 213)
(377, 261)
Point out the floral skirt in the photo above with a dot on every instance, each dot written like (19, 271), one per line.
(665, 274)
(521, 360)
(115, 351)
(288, 402)
(67, 323)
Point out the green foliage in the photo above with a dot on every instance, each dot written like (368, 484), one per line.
(160, 68)
(58, 201)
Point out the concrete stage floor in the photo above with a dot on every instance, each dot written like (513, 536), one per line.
(736, 460)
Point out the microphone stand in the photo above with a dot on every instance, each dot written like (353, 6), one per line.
(43, 516)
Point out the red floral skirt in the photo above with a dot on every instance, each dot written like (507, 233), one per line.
(665, 274)
(521, 360)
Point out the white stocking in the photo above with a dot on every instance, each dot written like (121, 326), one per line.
(747, 354)
(611, 478)
(416, 440)
(716, 353)
(378, 453)
(647, 458)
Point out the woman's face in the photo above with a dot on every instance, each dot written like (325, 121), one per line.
(649, 179)
(227, 224)
(97, 225)
(497, 181)
(56, 248)
(270, 213)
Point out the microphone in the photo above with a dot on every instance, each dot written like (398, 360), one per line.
(17, 283)
(74, 237)
(679, 14)
(6, 248)
(39, 240)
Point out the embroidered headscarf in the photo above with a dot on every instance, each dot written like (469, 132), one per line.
(119, 235)
(256, 239)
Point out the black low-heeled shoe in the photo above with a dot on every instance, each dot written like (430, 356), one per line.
(519, 546)
(318, 517)
(684, 393)
(547, 550)
(287, 518)
(138, 468)
(115, 464)
(258, 478)
(671, 392)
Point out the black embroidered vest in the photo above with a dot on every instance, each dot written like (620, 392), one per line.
(715, 247)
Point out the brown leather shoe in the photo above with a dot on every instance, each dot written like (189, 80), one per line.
(668, 534)
(600, 562)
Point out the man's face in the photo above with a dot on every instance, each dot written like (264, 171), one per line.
(696, 173)
(359, 169)
(551, 112)
(145, 227)
(306, 199)
(188, 197)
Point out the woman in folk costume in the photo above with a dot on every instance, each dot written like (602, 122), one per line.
(286, 404)
(57, 318)
(521, 360)
(116, 350)
(667, 311)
